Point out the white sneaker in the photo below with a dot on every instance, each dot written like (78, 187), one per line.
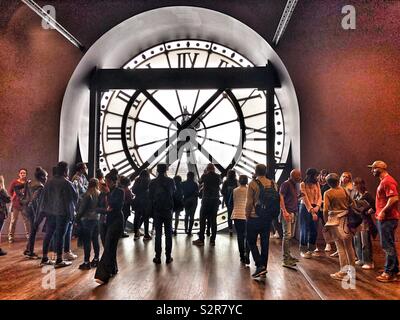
(70, 256)
(305, 255)
(359, 263)
(335, 254)
(316, 249)
(328, 247)
(368, 266)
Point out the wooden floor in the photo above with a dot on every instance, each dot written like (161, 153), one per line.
(196, 273)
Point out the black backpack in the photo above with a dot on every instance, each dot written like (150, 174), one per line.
(162, 199)
(268, 205)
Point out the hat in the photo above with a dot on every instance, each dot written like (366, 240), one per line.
(378, 164)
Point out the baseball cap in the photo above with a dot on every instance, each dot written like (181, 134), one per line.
(378, 164)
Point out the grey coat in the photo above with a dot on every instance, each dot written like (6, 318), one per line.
(59, 198)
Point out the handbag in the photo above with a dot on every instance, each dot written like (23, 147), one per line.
(354, 218)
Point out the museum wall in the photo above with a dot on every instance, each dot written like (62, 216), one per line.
(346, 80)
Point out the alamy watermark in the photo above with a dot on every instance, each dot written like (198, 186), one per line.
(46, 22)
(349, 19)
(49, 278)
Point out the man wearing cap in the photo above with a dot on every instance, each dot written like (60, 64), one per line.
(387, 214)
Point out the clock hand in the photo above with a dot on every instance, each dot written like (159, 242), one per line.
(160, 108)
(210, 158)
(167, 146)
(196, 117)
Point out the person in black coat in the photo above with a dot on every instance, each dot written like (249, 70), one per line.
(190, 190)
(107, 266)
(161, 193)
(209, 204)
(228, 186)
(178, 201)
(141, 205)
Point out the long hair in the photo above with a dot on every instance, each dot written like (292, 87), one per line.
(360, 183)
(93, 188)
(311, 176)
(2, 183)
(144, 178)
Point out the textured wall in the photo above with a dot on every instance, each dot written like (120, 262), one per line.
(347, 81)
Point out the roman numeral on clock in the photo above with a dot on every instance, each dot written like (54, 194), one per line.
(124, 167)
(187, 59)
(125, 97)
(115, 133)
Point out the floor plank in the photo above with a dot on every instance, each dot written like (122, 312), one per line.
(196, 274)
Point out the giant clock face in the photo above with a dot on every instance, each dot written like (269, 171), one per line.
(140, 129)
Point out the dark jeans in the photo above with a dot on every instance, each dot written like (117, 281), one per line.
(230, 224)
(159, 221)
(244, 249)
(208, 213)
(387, 230)
(68, 237)
(108, 263)
(1, 222)
(35, 224)
(363, 246)
(177, 214)
(90, 235)
(58, 226)
(262, 227)
(126, 213)
(190, 210)
(141, 217)
(277, 226)
(308, 230)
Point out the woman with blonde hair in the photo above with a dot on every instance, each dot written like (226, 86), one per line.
(88, 217)
(4, 200)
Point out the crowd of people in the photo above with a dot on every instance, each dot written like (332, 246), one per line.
(100, 207)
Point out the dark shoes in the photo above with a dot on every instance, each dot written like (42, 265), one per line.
(212, 243)
(32, 256)
(198, 242)
(245, 260)
(94, 263)
(62, 264)
(2, 252)
(157, 260)
(125, 235)
(259, 272)
(175, 233)
(147, 237)
(85, 266)
(26, 253)
(169, 260)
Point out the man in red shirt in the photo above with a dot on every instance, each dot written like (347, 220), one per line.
(387, 214)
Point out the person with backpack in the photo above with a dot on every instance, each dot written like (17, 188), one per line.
(178, 201)
(108, 266)
(289, 212)
(141, 205)
(229, 184)
(19, 193)
(262, 206)
(238, 202)
(161, 194)
(209, 205)
(190, 193)
(4, 200)
(36, 217)
(311, 201)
